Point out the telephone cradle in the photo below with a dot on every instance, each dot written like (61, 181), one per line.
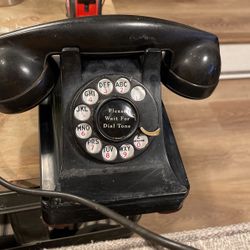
(104, 131)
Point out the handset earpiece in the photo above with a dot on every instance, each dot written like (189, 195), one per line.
(25, 80)
(193, 71)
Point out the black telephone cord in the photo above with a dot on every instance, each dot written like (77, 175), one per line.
(143, 232)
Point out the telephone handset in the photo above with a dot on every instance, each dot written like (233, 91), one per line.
(104, 132)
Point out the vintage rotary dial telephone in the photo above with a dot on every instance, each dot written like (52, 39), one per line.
(104, 132)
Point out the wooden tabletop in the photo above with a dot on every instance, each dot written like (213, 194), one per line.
(229, 19)
(213, 136)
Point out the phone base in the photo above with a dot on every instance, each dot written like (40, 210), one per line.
(58, 212)
(154, 181)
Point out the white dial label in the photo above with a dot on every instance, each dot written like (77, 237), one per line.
(93, 145)
(109, 153)
(82, 112)
(90, 96)
(140, 141)
(126, 151)
(105, 86)
(138, 93)
(122, 85)
(83, 131)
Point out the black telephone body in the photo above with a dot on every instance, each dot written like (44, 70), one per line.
(104, 132)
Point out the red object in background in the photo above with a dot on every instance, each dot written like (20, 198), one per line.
(79, 8)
